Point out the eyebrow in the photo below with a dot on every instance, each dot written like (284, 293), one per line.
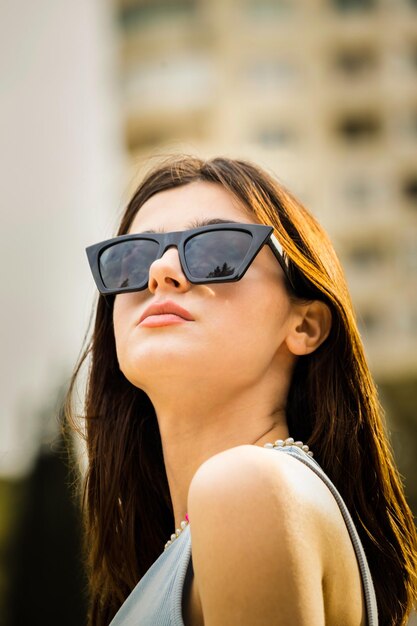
(197, 223)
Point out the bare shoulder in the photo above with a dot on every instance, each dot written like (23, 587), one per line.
(264, 474)
(265, 529)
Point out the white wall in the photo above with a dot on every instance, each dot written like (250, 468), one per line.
(60, 161)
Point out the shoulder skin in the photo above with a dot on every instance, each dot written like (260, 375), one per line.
(269, 544)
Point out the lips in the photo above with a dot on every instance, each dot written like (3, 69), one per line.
(165, 308)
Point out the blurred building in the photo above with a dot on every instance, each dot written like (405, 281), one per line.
(321, 92)
(61, 157)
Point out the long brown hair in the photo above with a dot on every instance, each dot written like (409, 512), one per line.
(332, 405)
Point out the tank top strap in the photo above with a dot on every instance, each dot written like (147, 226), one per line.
(368, 586)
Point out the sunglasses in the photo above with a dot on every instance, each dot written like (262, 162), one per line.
(219, 253)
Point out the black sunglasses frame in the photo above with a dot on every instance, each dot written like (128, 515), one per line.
(260, 233)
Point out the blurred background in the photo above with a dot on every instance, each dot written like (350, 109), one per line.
(321, 92)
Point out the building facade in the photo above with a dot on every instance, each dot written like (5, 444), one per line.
(321, 92)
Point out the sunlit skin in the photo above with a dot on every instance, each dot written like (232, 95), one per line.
(221, 380)
(219, 383)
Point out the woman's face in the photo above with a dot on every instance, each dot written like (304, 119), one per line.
(238, 331)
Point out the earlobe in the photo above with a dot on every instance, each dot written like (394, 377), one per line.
(311, 328)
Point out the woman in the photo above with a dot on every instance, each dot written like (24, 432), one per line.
(217, 342)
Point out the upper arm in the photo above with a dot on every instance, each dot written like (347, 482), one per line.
(256, 546)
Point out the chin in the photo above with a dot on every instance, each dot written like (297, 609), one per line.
(151, 372)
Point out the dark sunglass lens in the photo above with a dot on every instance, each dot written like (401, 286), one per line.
(216, 254)
(126, 264)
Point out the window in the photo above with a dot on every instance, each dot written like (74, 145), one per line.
(275, 136)
(267, 9)
(407, 124)
(146, 132)
(358, 127)
(413, 123)
(143, 12)
(144, 138)
(413, 55)
(354, 62)
(409, 252)
(409, 188)
(369, 322)
(366, 256)
(177, 82)
(359, 191)
(353, 5)
(271, 73)
(412, 324)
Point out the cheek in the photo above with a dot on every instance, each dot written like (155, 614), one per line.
(126, 307)
(265, 302)
(256, 319)
(119, 315)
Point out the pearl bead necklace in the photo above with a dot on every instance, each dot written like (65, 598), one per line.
(280, 443)
(177, 533)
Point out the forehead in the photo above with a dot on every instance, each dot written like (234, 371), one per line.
(188, 206)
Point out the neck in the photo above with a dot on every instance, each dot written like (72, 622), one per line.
(195, 430)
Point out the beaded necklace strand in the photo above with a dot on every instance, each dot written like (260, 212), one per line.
(280, 443)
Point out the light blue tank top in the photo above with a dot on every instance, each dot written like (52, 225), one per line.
(157, 598)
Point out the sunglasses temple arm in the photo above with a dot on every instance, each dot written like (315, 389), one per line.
(279, 253)
(277, 249)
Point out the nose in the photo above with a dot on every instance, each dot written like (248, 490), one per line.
(166, 273)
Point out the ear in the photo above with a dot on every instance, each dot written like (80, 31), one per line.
(311, 327)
